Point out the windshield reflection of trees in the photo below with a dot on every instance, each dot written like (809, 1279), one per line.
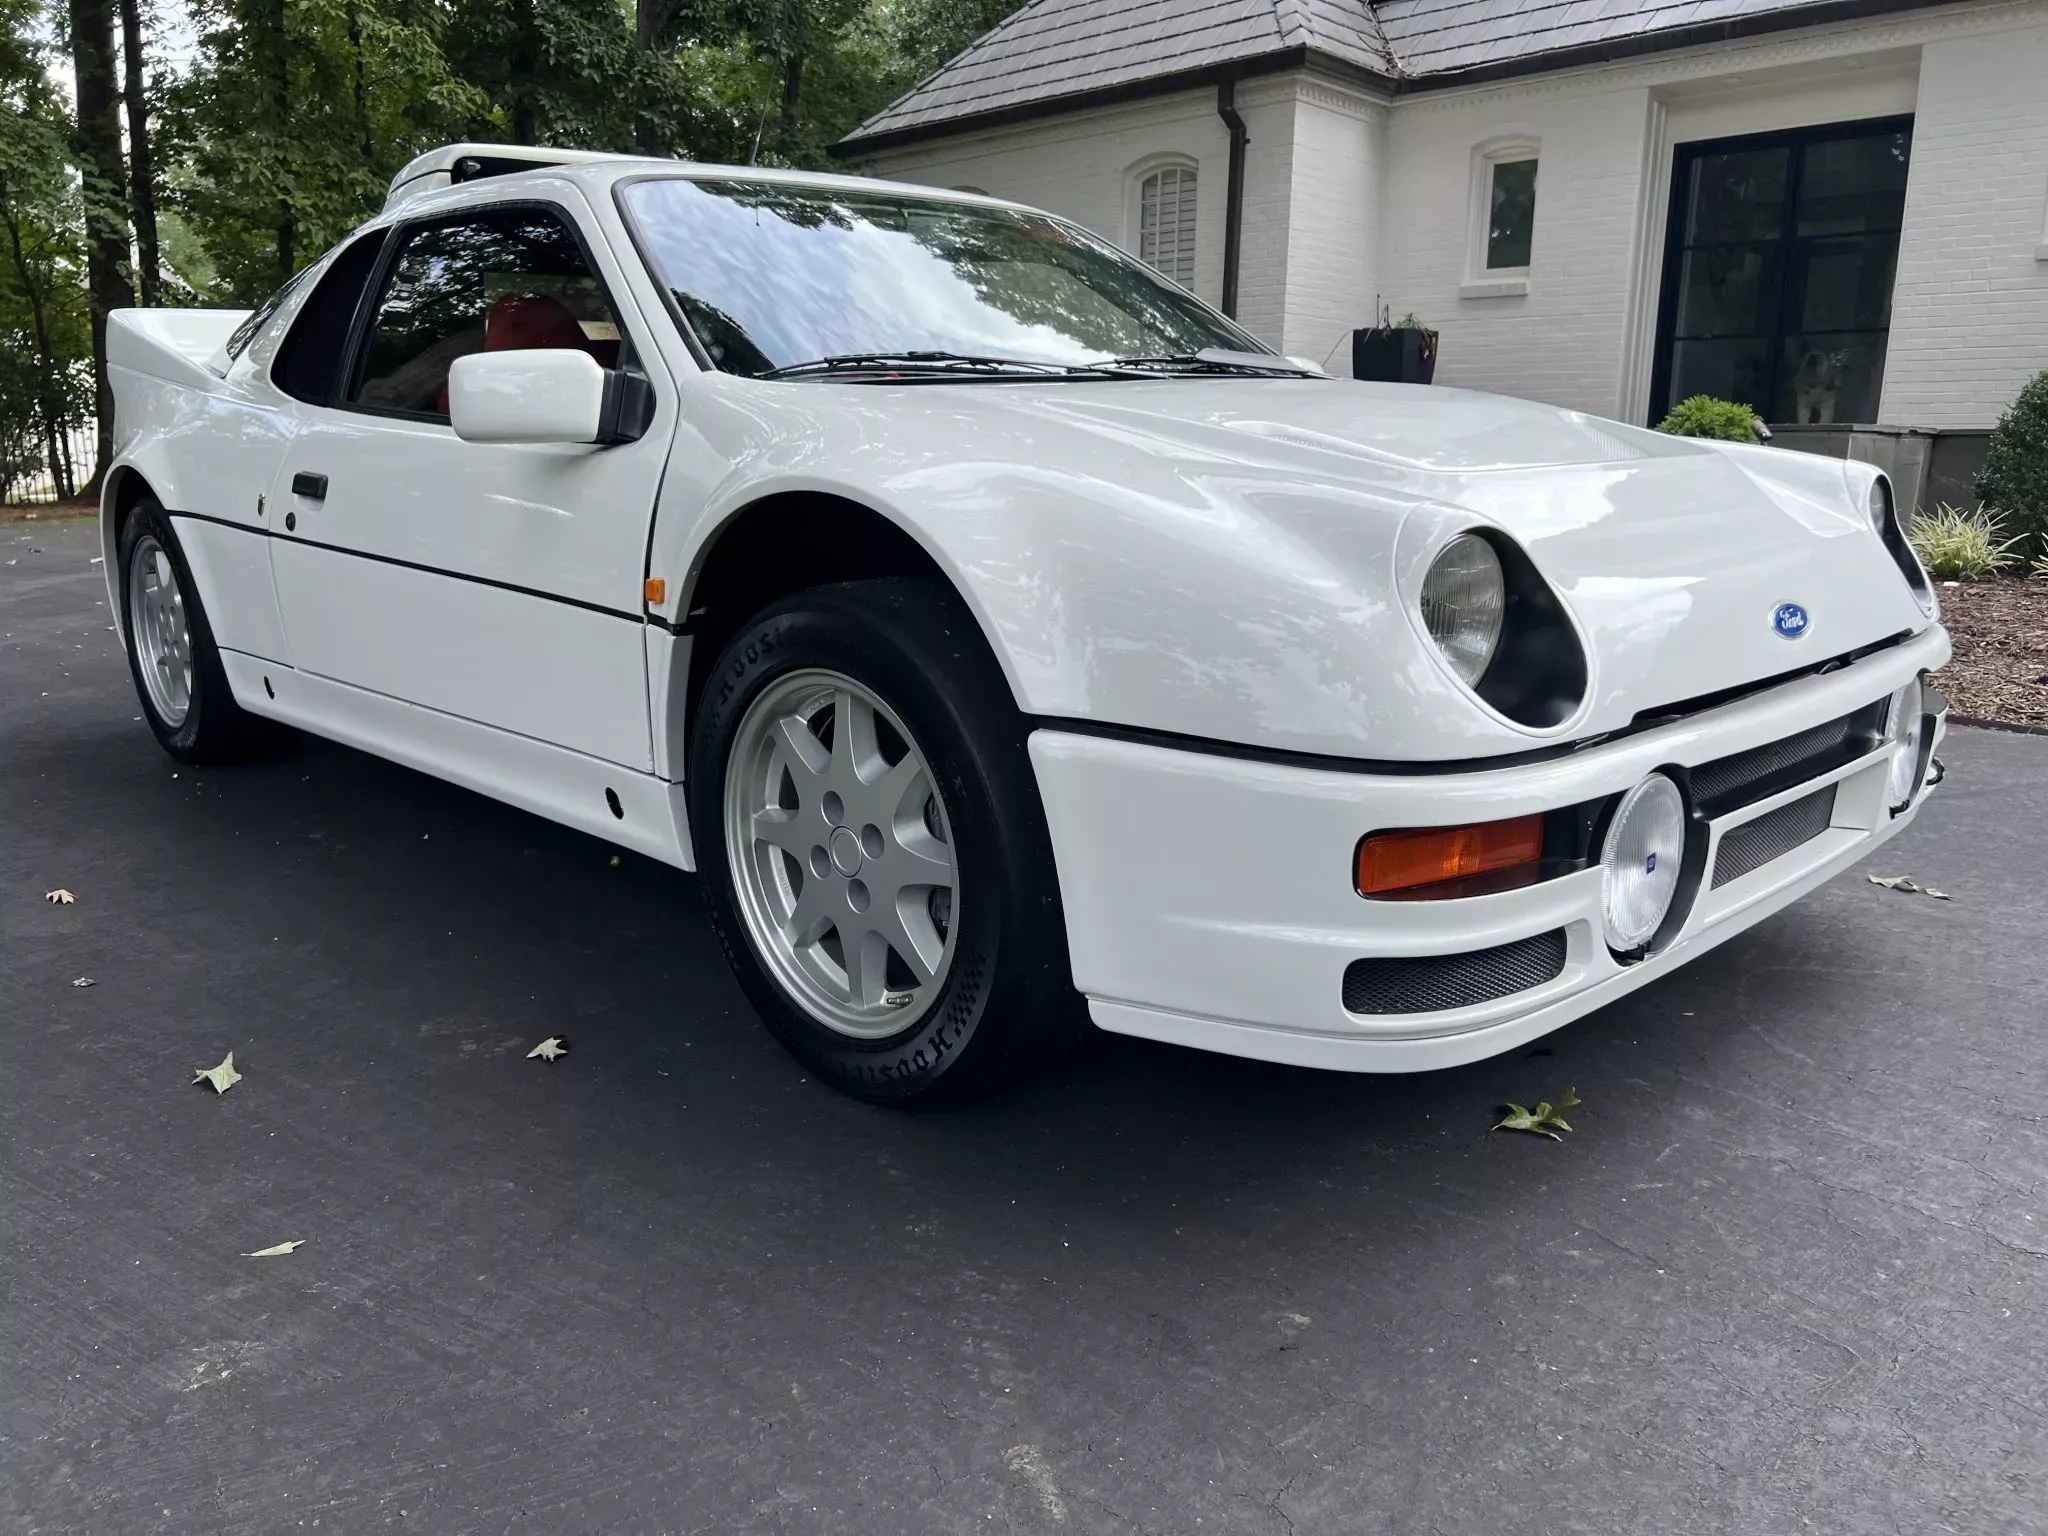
(760, 301)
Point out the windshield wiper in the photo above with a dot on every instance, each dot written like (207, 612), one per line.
(912, 362)
(1217, 360)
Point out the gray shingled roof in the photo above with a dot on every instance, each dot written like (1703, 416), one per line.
(1052, 50)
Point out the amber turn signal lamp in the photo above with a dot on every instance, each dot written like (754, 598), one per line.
(1401, 861)
(657, 589)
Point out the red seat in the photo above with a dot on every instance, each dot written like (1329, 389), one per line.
(518, 322)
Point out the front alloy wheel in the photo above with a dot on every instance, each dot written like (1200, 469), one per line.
(873, 851)
(836, 835)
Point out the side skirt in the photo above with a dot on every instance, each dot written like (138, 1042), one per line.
(551, 781)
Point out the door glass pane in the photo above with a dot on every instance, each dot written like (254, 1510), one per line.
(1739, 195)
(1778, 290)
(1850, 185)
(1511, 224)
(1723, 288)
(514, 278)
(1727, 370)
(1845, 285)
(1830, 378)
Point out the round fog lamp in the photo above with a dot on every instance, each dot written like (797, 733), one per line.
(1905, 726)
(1640, 861)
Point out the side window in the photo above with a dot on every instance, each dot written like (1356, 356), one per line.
(510, 278)
(243, 334)
(308, 362)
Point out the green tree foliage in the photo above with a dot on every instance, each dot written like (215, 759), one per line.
(293, 118)
(45, 327)
(2014, 479)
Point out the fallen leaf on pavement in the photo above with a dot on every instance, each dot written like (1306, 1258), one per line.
(223, 1077)
(549, 1049)
(59, 897)
(1910, 886)
(85, 981)
(1544, 1120)
(277, 1252)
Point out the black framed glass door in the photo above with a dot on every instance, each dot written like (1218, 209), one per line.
(1779, 256)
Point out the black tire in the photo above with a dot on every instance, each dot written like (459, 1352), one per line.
(215, 729)
(1007, 1001)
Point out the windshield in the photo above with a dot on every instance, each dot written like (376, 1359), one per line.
(770, 276)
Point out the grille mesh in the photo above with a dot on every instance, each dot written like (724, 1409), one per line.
(1776, 833)
(1815, 751)
(1432, 982)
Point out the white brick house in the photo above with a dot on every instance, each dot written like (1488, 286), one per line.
(1859, 235)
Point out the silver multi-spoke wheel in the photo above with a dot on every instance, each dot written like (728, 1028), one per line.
(163, 636)
(841, 854)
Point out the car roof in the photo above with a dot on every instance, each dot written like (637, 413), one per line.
(426, 183)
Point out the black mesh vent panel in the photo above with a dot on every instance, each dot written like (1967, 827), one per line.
(1755, 843)
(1452, 981)
(1747, 777)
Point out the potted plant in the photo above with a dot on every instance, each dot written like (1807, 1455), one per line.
(1394, 351)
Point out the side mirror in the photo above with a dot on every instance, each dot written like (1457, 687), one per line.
(545, 395)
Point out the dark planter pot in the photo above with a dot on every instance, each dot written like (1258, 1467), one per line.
(1393, 357)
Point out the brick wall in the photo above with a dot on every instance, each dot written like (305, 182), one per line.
(1562, 341)
(1970, 307)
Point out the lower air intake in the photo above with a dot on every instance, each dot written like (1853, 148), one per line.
(1773, 835)
(1433, 982)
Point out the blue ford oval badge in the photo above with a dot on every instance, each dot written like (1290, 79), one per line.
(1790, 620)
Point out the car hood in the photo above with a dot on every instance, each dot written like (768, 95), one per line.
(1238, 559)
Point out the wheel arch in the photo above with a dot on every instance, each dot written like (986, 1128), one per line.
(123, 488)
(780, 544)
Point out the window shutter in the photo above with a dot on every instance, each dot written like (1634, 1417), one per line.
(1166, 223)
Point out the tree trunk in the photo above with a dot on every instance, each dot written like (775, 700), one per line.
(792, 91)
(141, 172)
(281, 107)
(654, 24)
(524, 67)
(105, 196)
(362, 89)
(49, 404)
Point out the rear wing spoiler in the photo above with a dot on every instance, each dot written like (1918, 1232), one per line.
(452, 164)
(181, 346)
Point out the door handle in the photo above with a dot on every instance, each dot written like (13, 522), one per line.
(312, 487)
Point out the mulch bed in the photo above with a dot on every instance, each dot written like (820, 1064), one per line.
(49, 512)
(2000, 631)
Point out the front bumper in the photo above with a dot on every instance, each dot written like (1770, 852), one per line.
(1209, 900)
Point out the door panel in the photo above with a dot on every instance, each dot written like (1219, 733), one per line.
(552, 671)
(498, 582)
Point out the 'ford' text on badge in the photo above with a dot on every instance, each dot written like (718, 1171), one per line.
(1790, 620)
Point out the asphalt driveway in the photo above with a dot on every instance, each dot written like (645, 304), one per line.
(1790, 1273)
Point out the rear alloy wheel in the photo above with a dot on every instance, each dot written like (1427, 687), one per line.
(873, 851)
(171, 654)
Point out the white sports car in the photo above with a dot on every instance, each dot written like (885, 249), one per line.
(996, 627)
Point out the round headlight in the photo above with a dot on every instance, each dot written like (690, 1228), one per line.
(1464, 599)
(1640, 861)
(1905, 726)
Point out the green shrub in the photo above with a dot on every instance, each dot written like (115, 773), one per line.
(2015, 472)
(1704, 416)
(1956, 545)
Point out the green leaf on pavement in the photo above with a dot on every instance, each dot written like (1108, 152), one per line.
(1545, 1119)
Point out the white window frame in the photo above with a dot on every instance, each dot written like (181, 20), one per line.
(1482, 281)
(1134, 211)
